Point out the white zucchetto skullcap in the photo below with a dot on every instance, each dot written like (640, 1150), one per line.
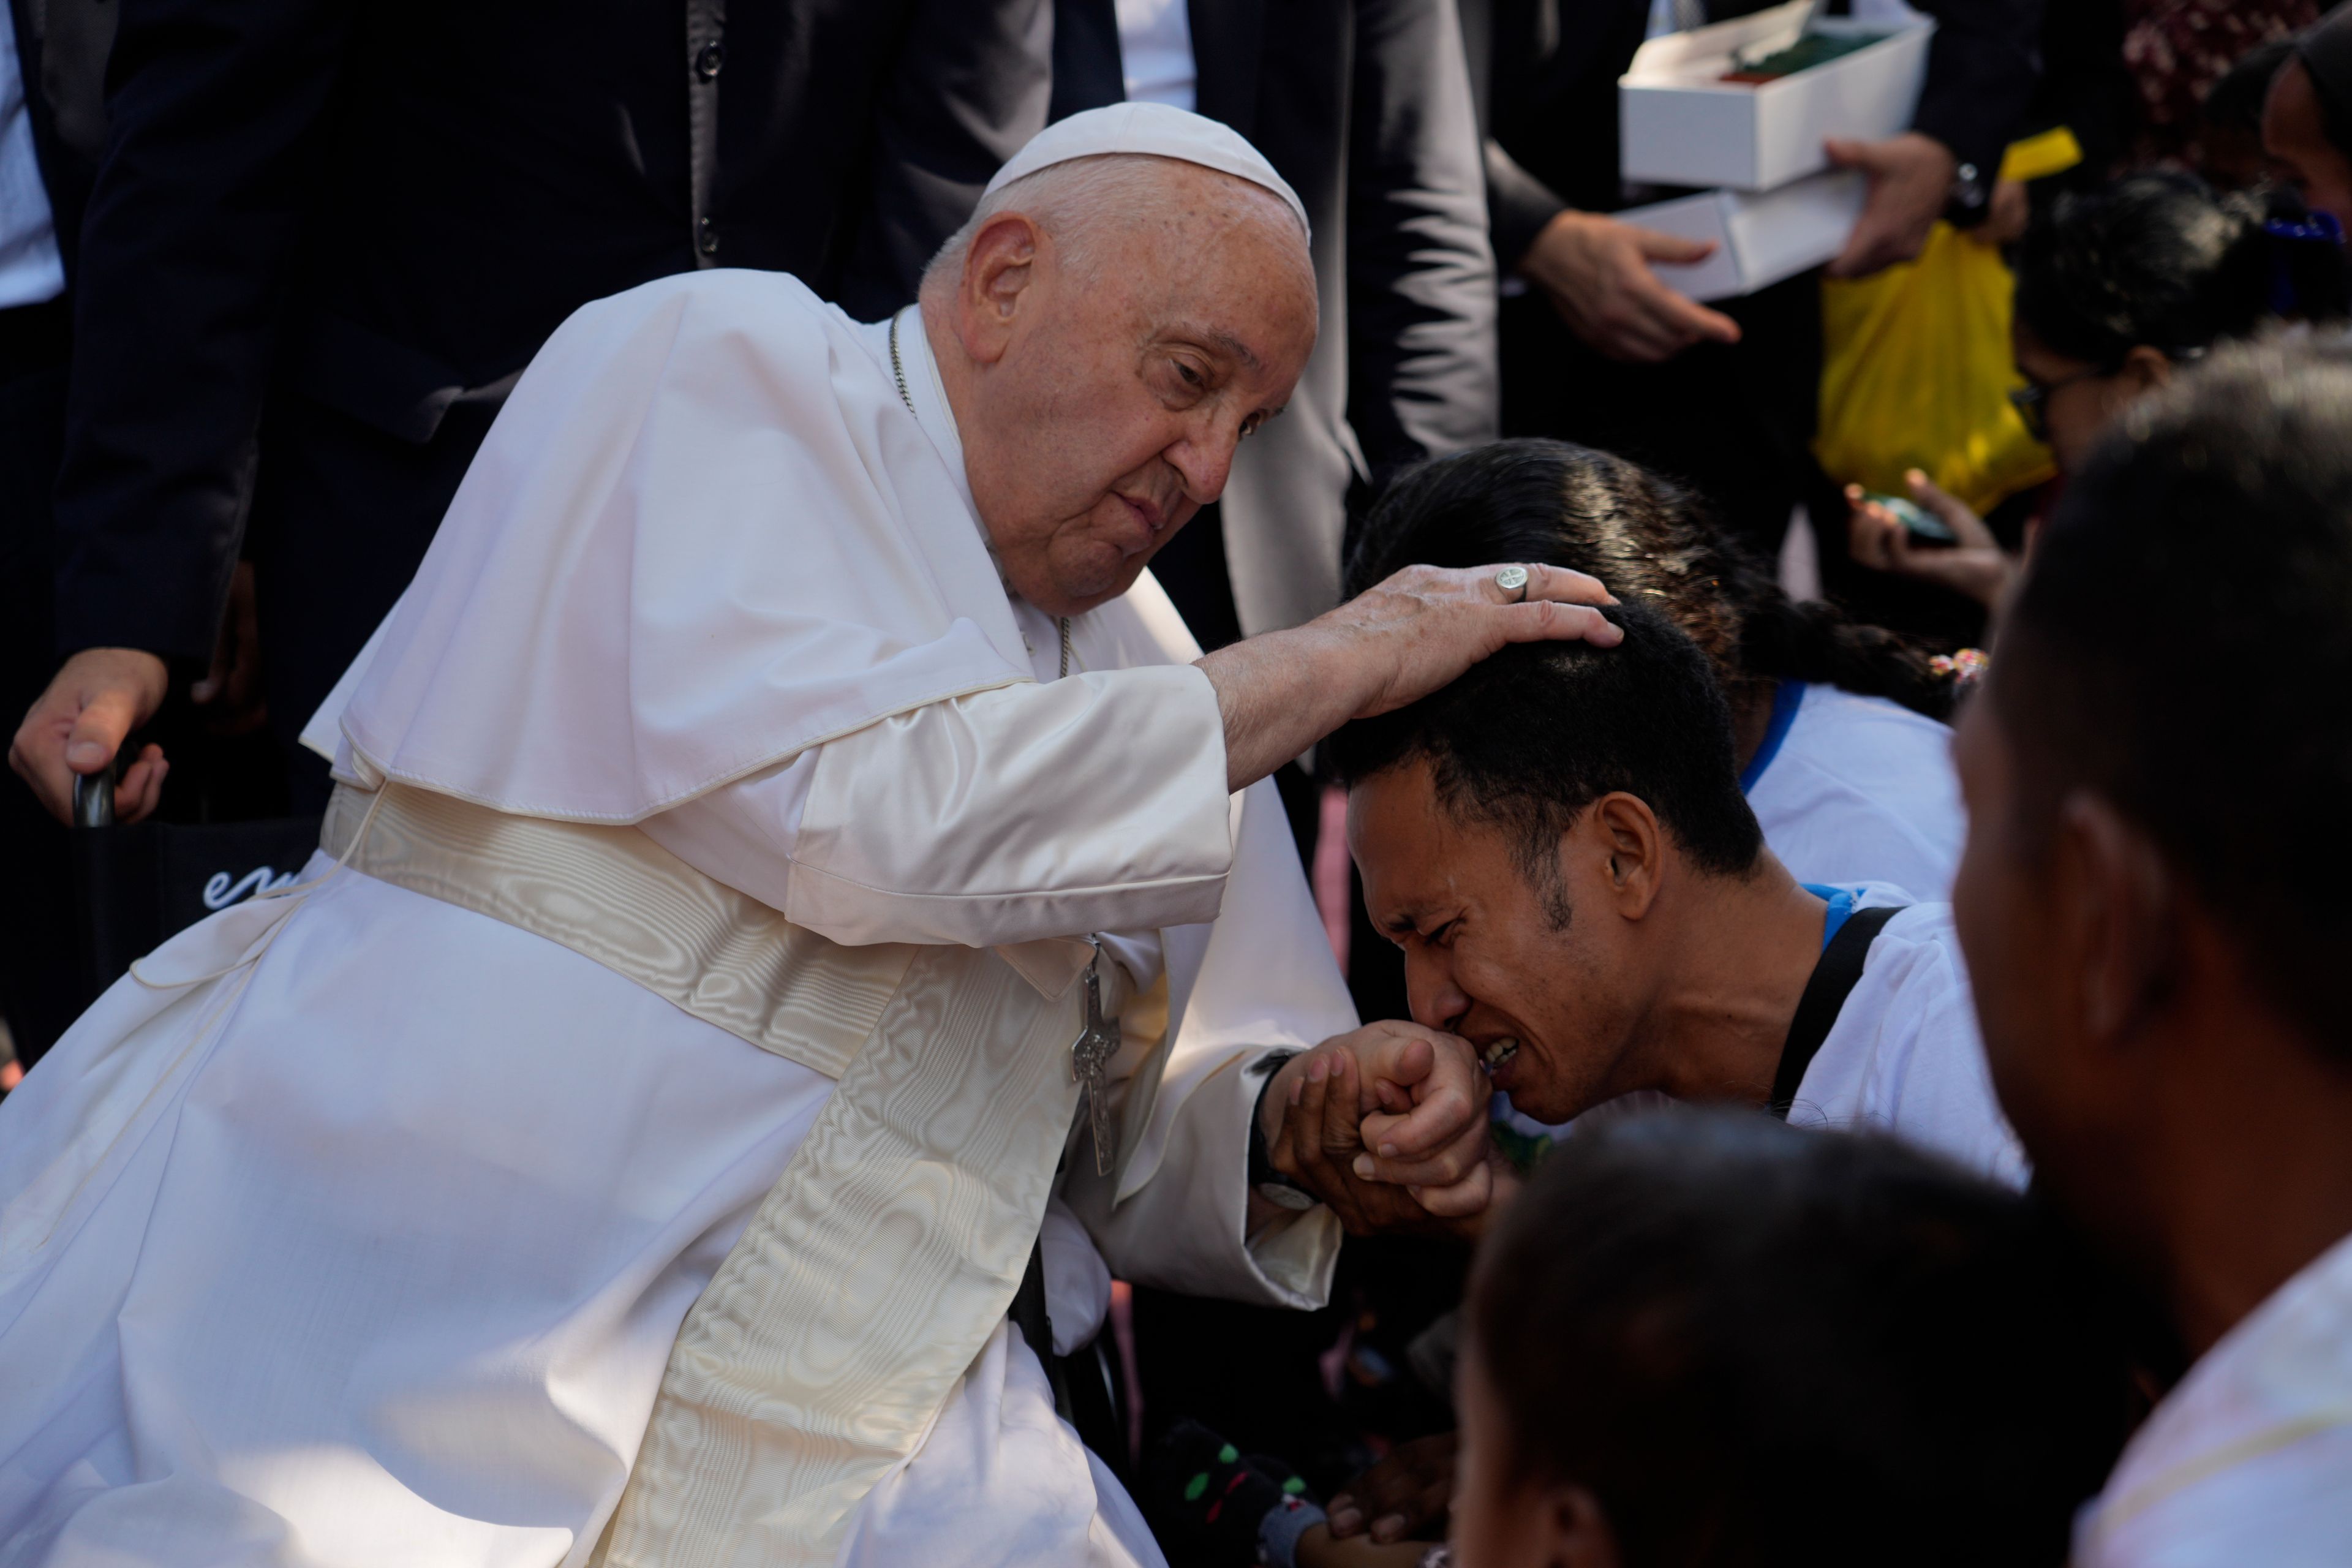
(1153, 130)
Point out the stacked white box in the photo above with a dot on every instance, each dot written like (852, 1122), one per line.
(1779, 209)
(1759, 238)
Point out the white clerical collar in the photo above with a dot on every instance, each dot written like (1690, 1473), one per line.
(929, 394)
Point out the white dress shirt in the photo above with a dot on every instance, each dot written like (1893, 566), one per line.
(1155, 51)
(30, 269)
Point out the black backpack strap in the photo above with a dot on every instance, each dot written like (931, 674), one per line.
(1825, 994)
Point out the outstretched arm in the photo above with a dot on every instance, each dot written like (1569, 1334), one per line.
(1100, 802)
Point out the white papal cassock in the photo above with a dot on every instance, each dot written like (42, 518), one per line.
(629, 1150)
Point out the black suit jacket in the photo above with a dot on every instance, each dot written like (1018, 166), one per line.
(1546, 75)
(1364, 107)
(343, 226)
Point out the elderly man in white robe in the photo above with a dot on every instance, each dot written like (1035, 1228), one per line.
(785, 840)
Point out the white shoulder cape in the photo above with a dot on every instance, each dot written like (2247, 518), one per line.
(703, 535)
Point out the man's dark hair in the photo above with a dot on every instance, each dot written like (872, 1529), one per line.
(2163, 261)
(1761, 1346)
(1528, 738)
(1649, 539)
(2182, 645)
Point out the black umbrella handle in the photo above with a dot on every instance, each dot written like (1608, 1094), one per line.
(97, 882)
(93, 799)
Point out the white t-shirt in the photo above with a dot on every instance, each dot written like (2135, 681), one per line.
(2250, 1459)
(1858, 789)
(1905, 1056)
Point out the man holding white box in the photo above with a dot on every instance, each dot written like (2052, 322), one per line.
(1735, 420)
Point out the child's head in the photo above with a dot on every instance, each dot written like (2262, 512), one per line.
(1705, 1338)
(2117, 287)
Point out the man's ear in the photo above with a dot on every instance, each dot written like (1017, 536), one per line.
(1578, 1529)
(998, 267)
(1623, 829)
(2117, 914)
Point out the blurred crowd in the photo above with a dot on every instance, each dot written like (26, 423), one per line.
(267, 273)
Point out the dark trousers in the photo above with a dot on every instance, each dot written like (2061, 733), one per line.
(38, 993)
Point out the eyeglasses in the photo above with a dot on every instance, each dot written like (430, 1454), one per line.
(2031, 400)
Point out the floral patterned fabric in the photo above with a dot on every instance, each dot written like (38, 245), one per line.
(2176, 49)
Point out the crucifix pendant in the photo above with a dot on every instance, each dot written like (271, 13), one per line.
(1090, 1061)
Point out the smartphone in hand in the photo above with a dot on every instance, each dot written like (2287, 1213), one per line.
(1924, 526)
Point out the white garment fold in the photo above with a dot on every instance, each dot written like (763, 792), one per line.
(2249, 1461)
(951, 823)
(314, 1291)
(1000, 1482)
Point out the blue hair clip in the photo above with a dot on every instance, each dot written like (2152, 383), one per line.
(2318, 226)
(2312, 228)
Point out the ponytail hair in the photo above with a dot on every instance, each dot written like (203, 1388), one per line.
(2162, 260)
(1648, 540)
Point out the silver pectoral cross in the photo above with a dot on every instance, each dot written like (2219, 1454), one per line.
(1090, 1061)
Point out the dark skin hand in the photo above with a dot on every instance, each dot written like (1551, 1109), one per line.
(1403, 1495)
(1321, 1146)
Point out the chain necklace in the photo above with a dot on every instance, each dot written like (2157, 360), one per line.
(898, 369)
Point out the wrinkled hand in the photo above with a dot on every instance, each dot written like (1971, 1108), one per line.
(1597, 272)
(1425, 626)
(1281, 692)
(1976, 566)
(1401, 1496)
(79, 724)
(1387, 1126)
(1910, 183)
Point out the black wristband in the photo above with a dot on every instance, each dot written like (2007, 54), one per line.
(1277, 1187)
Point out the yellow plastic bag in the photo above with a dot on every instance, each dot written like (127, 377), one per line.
(1916, 374)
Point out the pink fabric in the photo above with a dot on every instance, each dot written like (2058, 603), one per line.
(1334, 889)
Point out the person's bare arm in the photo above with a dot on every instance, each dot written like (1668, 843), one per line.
(1406, 1493)
(1975, 565)
(1282, 693)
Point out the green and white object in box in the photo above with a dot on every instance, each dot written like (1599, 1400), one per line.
(1682, 125)
(1759, 238)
